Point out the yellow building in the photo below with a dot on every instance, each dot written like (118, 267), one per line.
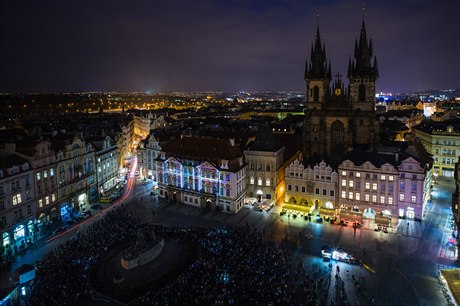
(442, 141)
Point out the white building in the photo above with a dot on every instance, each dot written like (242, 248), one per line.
(203, 172)
(315, 188)
(382, 187)
(107, 157)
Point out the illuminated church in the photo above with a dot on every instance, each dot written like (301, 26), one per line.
(339, 118)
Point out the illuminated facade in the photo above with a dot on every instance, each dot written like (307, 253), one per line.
(203, 172)
(381, 188)
(107, 159)
(265, 171)
(147, 153)
(75, 174)
(314, 188)
(442, 141)
(43, 160)
(17, 209)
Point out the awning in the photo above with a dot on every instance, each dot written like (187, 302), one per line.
(326, 212)
(351, 215)
(382, 220)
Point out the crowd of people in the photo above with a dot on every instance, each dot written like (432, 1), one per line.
(62, 276)
(235, 266)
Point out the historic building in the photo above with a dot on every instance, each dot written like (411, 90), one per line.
(107, 158)
(265, 173)
(41, 156)
(340, 117)
(75, 172)
(313, 188)
(17, 209)
(380, 187)
(442, 141)
(203, 172)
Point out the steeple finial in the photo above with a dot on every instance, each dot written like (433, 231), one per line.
(317, 18)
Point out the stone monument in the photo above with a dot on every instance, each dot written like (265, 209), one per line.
(146, 249)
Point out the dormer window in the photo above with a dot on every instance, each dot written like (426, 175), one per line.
(224, 164)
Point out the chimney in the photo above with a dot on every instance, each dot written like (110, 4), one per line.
(232, 141)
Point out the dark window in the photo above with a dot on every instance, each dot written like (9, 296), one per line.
(324, 192)
(316, 94)
(362, 93)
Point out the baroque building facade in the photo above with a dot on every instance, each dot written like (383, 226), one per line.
(315, 187)
(203, 172)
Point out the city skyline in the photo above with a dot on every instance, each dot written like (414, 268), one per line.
(220, 46)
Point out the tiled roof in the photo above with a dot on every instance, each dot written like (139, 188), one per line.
(203, 148)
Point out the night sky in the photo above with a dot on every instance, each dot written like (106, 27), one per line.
(225, 45)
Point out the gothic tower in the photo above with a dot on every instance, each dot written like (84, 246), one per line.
(336, 119)
(317, 75)
(362, 74)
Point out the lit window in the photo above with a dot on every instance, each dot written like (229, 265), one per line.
(17, 199)
(40, 203)
(357, 196)
(366, 197)
(350, 183)
(414, 199)
(38, 176)
(368, 185)
(252, 180)
(99, 168)
(390, 200)
(350, 195)
(390, 177)
(401, 197)
(382, 200)
(344, 194)
(374, 186)
(53, 197)
(47, 200)
(259, 181)
(45, 174)
(382, 177)
(51, 172)
(358, 174)
(374, 198)
(344, 183)
(267, 182)
(344, 173)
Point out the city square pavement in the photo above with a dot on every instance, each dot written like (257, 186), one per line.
(399, 268)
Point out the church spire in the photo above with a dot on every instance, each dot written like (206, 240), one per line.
(363, 54)
(318, 67)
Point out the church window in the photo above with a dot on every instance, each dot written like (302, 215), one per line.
(362, 93)
(316, 94)
(337, 135)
